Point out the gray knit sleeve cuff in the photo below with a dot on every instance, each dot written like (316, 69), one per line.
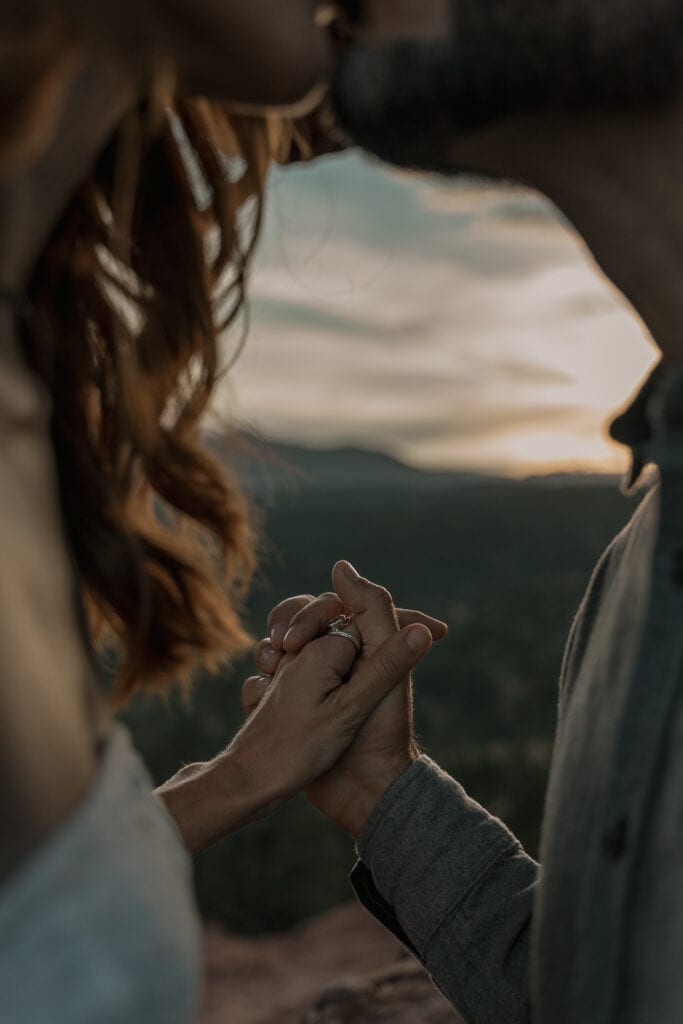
(427, 845)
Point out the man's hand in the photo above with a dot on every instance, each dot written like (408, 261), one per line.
(306, 719)
(385, 745)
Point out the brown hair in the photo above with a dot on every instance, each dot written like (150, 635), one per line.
(142, 275)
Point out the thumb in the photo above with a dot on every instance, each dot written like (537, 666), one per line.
(374, 612)
(389, 665)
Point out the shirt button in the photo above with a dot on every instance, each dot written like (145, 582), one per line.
(615, 840)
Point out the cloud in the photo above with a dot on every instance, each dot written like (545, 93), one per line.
(445, 323)
(306, 316)
(475, 422)
(475, 199)
(516, 371)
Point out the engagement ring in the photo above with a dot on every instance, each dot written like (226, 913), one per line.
(337, 627)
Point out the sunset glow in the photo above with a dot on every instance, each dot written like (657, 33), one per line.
(453, 325)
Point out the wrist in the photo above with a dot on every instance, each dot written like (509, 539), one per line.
(211, 800)
(371, 791)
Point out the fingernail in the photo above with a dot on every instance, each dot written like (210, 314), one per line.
(268, 658)
(290, 637)
(277, 635)
(350, 572)
(418, 639)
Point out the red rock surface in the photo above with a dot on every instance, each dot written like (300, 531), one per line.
(339, 968)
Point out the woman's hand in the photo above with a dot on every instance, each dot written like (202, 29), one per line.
(300, 619)
(384, 747)
(303, 724)
(308, 714)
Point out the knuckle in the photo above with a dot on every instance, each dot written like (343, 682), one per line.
(381, 595)
(251, 683)
(386, 665)
(252, 691)
(349, 711)
(266, 657)
(323, 606)
(287, 609)
(274, 616)
(304, 617)
(262, 647)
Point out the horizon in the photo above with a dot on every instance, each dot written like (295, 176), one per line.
(455, 326)
(256, 444)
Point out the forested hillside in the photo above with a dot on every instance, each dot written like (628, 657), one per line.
(505, 563)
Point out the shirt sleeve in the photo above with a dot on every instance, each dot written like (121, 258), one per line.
(456, 887)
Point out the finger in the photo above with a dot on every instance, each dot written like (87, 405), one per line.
(312, 621)
(327, 661)
(266, 658)
(253, 691)
(409, 617)
(379, 675)
(351, 629)
(373, 607)
(281, 617)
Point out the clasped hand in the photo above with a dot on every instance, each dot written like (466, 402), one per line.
(321, 716)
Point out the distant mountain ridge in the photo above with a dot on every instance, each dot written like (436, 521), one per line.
(266, 467)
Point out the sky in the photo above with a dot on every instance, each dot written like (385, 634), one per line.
(453, 325)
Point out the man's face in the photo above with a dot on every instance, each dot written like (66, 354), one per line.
(483, 61)
(387, 21)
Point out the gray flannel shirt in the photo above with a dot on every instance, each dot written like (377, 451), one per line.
(595, 935)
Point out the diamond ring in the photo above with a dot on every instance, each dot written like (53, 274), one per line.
(337, 628)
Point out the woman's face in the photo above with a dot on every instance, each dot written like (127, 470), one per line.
(252, 53)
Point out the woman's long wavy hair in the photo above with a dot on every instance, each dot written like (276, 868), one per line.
(141, 277)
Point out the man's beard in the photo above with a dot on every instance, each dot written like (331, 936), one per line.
(408, 101)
